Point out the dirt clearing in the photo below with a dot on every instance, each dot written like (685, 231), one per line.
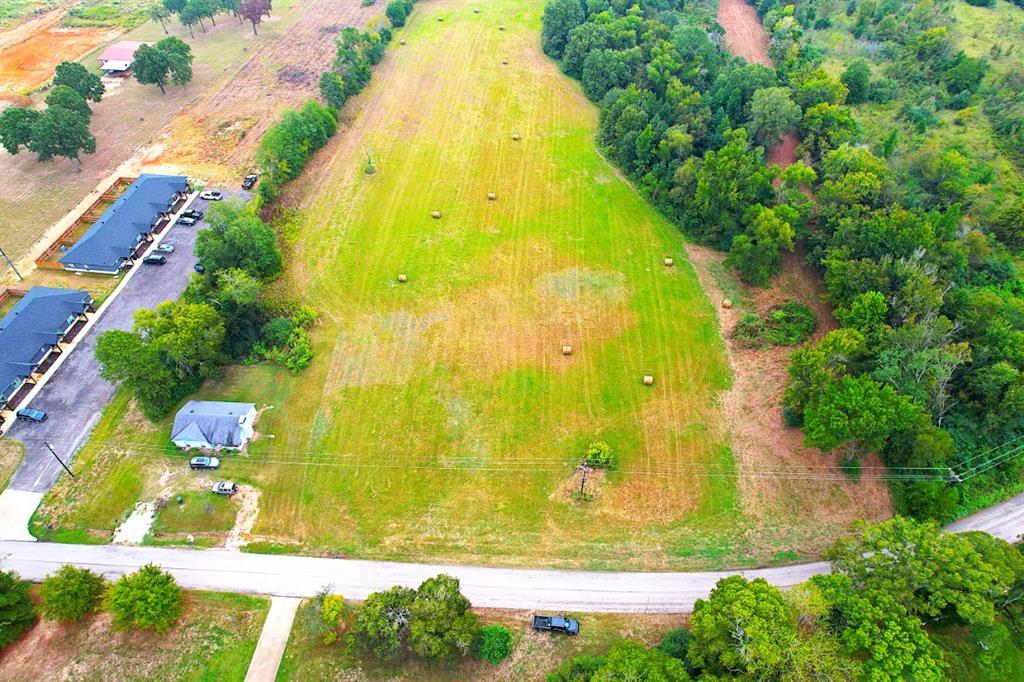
(29, 63)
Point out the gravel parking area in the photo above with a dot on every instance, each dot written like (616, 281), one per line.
(75, 395)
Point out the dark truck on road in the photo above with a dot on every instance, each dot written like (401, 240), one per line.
(569, 626)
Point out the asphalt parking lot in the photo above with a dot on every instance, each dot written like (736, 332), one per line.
(74, 397)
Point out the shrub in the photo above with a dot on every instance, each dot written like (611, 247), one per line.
(600, 455)
(321, 616)
(577, 669)
(492, 643)
(786, 324)
(16, 611)
(70, 593)
(148, 598)
(676, 643)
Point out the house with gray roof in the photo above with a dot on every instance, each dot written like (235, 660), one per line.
(31, 335)
(113, 241)
(212, 424)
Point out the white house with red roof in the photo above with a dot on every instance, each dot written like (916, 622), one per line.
(118, 58)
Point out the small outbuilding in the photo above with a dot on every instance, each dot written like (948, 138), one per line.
(213, 424)
(117, 59)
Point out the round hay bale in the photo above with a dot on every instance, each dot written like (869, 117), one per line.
(491, 196)
(501, 28)
(402, 41)
(435, 215)
(504, 61)
(648, 380)
(403, 278)
(669, 262)
(727, 303)
(515, 136)
(440, 18)
(566, 349)
(476, 10)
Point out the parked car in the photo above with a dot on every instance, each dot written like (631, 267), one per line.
(250, 181)
(199, 268)
(29, 415)
(211, 195)
(186, 221)
(224, 488)
(204, 463)
(154, 259)
(192, 213)
(569, 626)
(165, 248)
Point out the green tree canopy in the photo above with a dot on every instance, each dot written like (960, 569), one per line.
(237, 238)
(16, 127)
(773, 114)
(78, 78)
(65, 97)
(560, 17)
(441, 624)
(149, 598)
(744, 628)
(856, 78)
(70, 594)
(59, 132)
(627, 660)
(17, 614)
(382, 624)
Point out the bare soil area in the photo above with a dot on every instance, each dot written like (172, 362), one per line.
(752, 406)
(29, 53)
(218, 136)
(744, 35)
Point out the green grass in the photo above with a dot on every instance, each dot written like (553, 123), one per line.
(201, 511)
(13, 11)
(533, 655)
(213, 642)
(439, 419)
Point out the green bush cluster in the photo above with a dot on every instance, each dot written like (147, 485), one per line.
(786, 324)
(493, 643)
(398, 11)
(600, 455)
(287, 146)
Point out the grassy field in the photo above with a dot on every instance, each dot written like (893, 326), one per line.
(214, 640)
(440, 419)
(533, 654)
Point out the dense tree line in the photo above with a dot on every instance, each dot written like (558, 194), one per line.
(888, 612)
(927, 369)
(223, 316)
(288, 145)
(62, 129)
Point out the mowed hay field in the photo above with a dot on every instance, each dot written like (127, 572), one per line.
(440, 416)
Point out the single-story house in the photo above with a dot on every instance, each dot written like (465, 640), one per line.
(31, 334)
(112, 241)
(213, 424)
(117, 59)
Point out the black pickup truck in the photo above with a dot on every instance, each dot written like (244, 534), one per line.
(569, 626)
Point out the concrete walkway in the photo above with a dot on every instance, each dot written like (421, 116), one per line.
(16, 509)
(273, 639)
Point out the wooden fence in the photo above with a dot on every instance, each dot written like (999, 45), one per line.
(49, 259)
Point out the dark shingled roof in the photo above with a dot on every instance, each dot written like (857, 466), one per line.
(31, 327)
(113, 237)
(210, 420)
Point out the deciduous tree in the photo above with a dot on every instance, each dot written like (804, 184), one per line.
(78, 78)
(70, 594)
(59, 132)
(149, 598)
(16, 127)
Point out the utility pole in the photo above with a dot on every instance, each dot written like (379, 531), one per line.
(20, 278)
(54, 453)
(583, 479)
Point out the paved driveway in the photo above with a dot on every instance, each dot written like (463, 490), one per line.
(74, 397)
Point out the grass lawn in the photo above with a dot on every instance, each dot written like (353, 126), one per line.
(11, 454)
(440, 419)
(200, 512)
(533, 654)
(214, 640)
